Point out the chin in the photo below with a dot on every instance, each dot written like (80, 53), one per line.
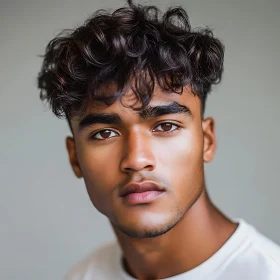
(145, 233)
(150, 226)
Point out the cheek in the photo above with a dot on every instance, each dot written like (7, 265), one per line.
(96, 160)
(99, 166)
(180, 159)
(183, 151)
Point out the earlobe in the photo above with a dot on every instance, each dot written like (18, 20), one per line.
(209, 135)
(70, 145)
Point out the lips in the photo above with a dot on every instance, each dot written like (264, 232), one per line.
(140, 188)
(144, 193)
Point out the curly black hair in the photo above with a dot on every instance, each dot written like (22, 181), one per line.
(135, 46)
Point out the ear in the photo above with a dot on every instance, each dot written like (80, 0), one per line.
(209, 136)
(70, 144)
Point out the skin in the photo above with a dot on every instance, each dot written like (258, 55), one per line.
(181, 228)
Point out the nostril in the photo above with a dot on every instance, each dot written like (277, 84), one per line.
(136, 164)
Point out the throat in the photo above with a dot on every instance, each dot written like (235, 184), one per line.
(200, 233)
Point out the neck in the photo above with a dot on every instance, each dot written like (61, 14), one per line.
(198, 235)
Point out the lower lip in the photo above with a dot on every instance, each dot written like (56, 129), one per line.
(142, 198)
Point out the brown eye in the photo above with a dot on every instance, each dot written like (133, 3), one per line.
(104, 134)
(166, 127)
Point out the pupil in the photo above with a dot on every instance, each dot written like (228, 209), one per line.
(105, 133)
(166, 126)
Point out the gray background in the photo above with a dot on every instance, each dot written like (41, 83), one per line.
(47, 220)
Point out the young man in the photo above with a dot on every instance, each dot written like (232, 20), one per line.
(133, 86)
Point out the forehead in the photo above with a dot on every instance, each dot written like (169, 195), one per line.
(124, 106)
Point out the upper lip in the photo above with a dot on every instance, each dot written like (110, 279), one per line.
(139, 188)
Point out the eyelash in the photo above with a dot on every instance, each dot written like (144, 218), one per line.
(172, 124)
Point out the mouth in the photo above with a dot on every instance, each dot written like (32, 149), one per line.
(146, 192)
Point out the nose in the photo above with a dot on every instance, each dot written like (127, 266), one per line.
(138, 153)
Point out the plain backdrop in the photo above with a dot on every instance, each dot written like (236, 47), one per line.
(47, 220)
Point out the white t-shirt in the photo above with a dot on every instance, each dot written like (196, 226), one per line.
(247, 255)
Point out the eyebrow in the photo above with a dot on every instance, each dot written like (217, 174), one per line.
(157, 111)
(92, 119)
(148, 112)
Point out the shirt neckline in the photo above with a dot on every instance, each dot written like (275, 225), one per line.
(202, 271)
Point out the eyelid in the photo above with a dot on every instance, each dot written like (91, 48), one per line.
(93, 134)
(169, 122)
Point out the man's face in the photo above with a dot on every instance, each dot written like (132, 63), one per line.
(164, 146)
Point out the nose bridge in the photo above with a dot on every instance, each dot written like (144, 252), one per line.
(138, 152)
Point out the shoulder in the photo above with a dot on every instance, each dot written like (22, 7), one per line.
(259, 256)
(266, 247)
(103, 263)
